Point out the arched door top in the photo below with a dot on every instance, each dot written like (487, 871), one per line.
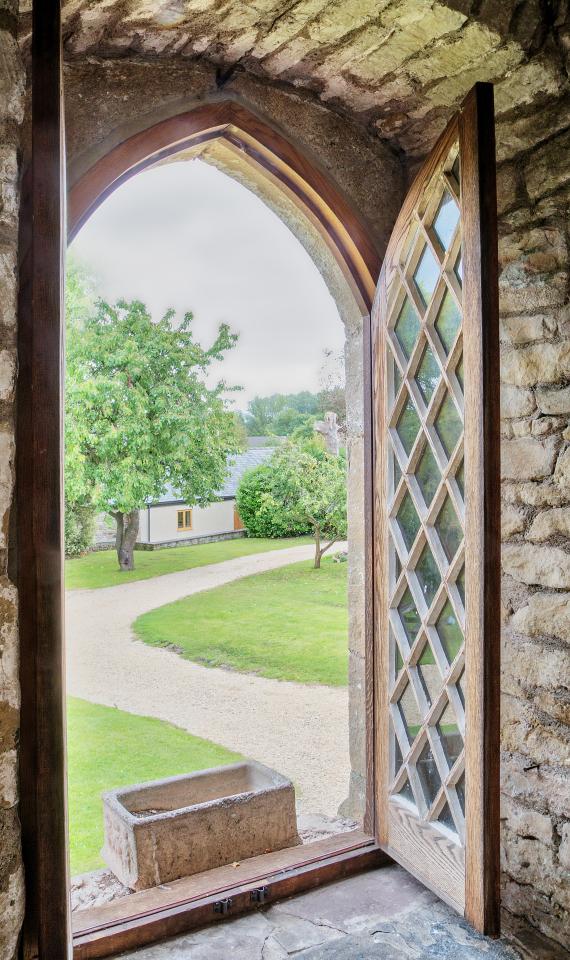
(259, 144)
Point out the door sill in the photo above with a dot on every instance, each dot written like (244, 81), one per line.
(224, 892)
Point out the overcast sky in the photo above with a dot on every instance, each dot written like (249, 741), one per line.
(185, 235)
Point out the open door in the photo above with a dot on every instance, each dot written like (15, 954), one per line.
(437, 524)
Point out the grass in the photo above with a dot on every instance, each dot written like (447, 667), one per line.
(289, 624)
(100, 569)
(108, 748)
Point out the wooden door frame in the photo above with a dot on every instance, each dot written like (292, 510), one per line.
(47, 922)
(473, 128)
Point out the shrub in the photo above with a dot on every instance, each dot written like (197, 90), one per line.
(79, 528)
(265, 507)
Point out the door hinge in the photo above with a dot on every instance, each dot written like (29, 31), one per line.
(223, 906)
(260, 895)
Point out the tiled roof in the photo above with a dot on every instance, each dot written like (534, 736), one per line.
(237, 466)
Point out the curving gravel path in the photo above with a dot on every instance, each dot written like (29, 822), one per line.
(300, 730)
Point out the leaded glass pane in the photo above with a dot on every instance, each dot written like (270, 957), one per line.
(407, 426)
(460, 479)
(460, 374)
(407, 328)
(408, 520)
(410, 713)
(396, 472)
(428, 774)
(449, 735)
(427, 375)
(449, 529)
(428, 575)
(429, 674)
(458, 269)
(409, 616)
(426, 275)
(460, 689)
(446, 220)
(446, 819)
(448, 425)
(428, 475)
(450, 632)
(448, 321)
(406, 791)
(461, 585)
(460, 787)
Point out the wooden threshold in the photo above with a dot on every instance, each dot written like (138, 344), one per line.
(183, 905)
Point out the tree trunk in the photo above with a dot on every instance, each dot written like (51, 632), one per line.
(318, 553)
(127, 533)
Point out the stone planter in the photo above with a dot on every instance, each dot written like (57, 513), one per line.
(161, 831)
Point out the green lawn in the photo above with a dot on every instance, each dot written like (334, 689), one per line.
(290, 623)
(100, 569)
(108, 748)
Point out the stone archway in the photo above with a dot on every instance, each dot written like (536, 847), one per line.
(251, 151)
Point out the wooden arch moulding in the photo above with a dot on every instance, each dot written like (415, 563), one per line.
(259, 144)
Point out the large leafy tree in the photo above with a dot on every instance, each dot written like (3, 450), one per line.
(139, 413)
(302, 488)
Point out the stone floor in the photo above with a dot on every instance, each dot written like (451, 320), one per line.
(378, 914)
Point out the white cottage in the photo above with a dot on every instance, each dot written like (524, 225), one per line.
(171, 521)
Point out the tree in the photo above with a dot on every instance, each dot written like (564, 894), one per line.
(281, 413)
(301, 488)
(139, 416)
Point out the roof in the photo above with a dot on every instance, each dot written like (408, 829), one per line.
(237, 466)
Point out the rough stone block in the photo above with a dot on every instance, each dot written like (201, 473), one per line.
(526, 458)
(7, 374)
(542, 363)
(548, 168)
(526, 822)
(546, 614)
(11, 911)
(555, 401)
(513, 520)
(550, 524)
(546, 494)
(546, 566)
(516, 401)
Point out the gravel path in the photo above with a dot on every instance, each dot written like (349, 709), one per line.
(300, 730)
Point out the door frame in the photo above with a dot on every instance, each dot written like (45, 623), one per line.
(47, 923)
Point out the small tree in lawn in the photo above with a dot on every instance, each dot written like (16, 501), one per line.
(139, 415)
(301, 488)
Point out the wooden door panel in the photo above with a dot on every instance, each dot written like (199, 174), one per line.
(435, 344)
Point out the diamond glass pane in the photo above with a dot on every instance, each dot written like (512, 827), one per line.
(450, 632)
(409, 711)
(427, 375)
(396, 472)
(428, 475)
(446, 220)
(456, 169)
(428, 575)
(460, 479)
(407, 328)
(449, 735)
(408, 520)
(448, 321)
(446, 819)
(428, 774)
(448, 425)
(460, 689)
(449, 529)
(458, 268)
(460, 787)
(461, 585)
(460, 374)
(398, 759)
(426, 275)
(429, 674)
(409, 616)
(407, 426)
(406, 791)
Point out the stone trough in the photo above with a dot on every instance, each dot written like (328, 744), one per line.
(167, 829)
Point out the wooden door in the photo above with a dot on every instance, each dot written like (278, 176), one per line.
(436, 429)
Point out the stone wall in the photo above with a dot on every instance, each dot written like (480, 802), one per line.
(11, 110)
(534, 200)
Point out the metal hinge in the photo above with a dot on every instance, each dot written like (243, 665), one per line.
(260, 895)
(223, 906)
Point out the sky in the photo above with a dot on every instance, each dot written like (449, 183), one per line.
(187, 236)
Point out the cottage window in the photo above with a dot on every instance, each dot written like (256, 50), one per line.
(184, 519)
